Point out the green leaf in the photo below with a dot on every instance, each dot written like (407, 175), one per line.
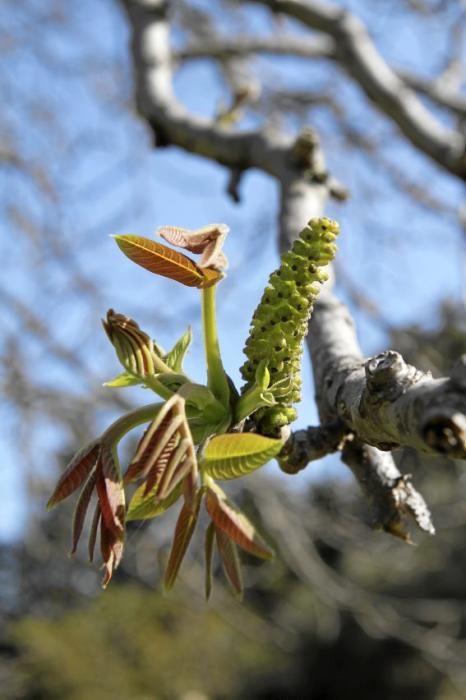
(123, 379)
(262, 376)
(143, 507)
(232, 455)
(174, 358)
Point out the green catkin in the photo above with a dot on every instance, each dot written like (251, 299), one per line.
(280, 322)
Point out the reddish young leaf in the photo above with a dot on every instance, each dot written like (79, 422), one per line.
(109, 464)
(75, 473)
(81, 509)
(184, 529)
(230, 520)
(164, 261)
(155, 438)
(181, 463)
(111, 547)
(93, 532)
(230, 560)
(193, 240)
(155, 474)
(165, 454)
(207, 240)
(209, 552)
(112, 503)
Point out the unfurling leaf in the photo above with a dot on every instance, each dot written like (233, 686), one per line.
(232, 455)
(207, 240)
(134, 348)
(144, 506)
(184, 529)
(230, 560)
(174, 358)
(209, 552)
(165, 454)
(122, 380)
(164, 261)
(230, 520)
(75, 473)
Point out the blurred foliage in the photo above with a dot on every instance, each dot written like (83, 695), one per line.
(134, 644)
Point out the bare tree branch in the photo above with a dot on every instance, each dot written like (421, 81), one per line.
(384, 401)
(357, 54)
(171, 123)
(311, 48)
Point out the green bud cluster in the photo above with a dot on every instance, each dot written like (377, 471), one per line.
(280, 322)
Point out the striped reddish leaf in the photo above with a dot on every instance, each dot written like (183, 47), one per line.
(112, 502)
(165, 454)
(93, 532)
(184, 529)
(230, 560)
(150, 447)
(182, 461)
(161, 260)
(209, 552)
(231, 521)
(75, 473)
(111, 548)
(81, 509)
(155, 475)
(134, 348)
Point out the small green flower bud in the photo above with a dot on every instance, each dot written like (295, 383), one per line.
(280, 322)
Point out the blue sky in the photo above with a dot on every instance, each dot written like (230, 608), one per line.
(112, 181)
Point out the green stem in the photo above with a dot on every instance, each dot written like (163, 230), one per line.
(129, 421)
(251, 401)
(157, 386)
(216, 377)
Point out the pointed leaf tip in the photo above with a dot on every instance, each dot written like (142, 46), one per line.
(231, 521)
(184, 530)
(75, 473)
(231, 563)
(208, 553)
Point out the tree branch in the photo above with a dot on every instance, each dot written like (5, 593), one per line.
(355, 51)
(384, 401)
(312, 48)
(171, 123)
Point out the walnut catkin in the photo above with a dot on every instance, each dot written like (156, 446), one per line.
(280, 321)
